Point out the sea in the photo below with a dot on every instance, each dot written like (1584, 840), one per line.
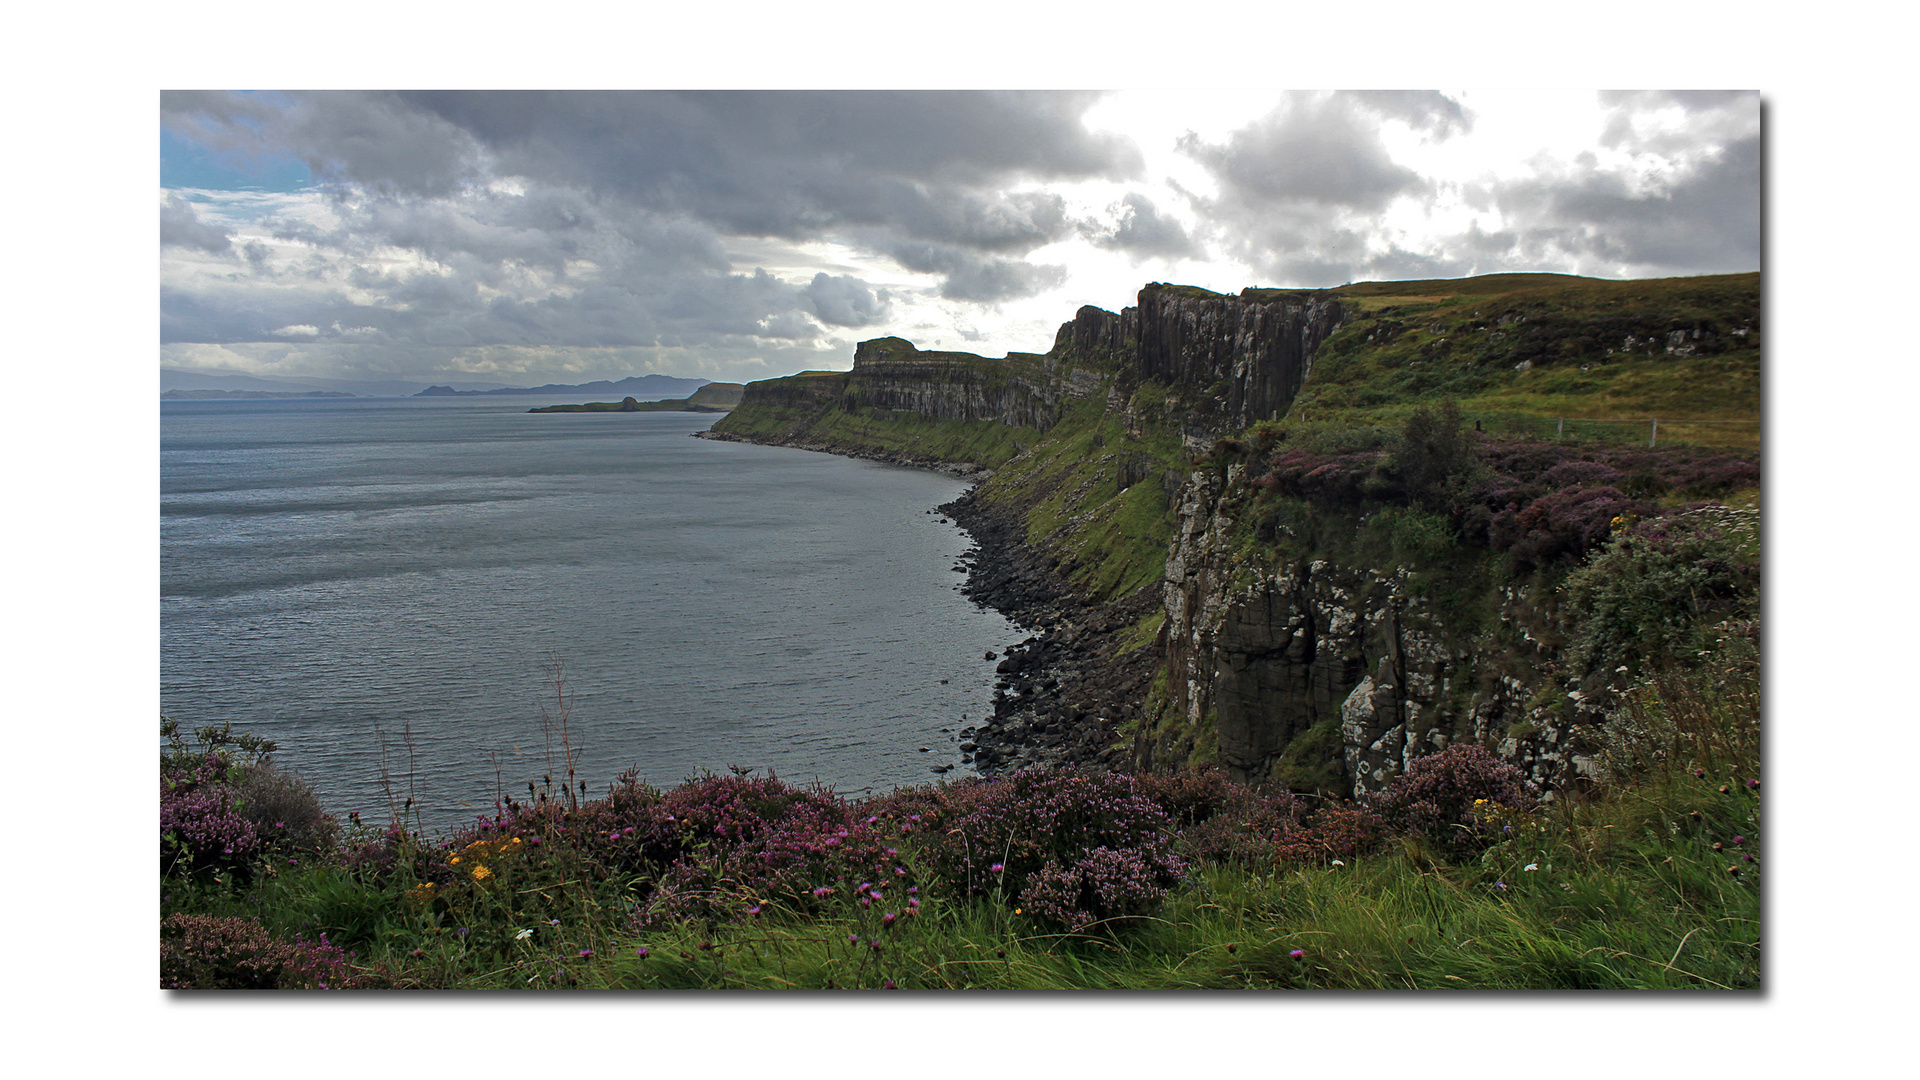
(427, 603)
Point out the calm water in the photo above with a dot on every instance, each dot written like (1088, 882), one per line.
(338, 574)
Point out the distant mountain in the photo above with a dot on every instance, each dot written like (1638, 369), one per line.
(640, 387)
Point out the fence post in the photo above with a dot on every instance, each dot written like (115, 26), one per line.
(1560, 427)
(1654, 435)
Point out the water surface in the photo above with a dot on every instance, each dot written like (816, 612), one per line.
(385, 588)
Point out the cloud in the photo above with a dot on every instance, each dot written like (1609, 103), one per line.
(368, 138)
(491, 216)
(1324, 152)
(846, 301)
(181, 227)
(296, 331)
(971, 277)
(1426, 111)
(1143, 231)
(1705, 219)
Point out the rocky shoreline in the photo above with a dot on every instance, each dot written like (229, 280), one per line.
(1062, 691)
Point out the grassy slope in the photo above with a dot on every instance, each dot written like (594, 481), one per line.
(1437, 339)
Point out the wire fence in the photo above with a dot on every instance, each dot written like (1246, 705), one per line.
(1649, 429)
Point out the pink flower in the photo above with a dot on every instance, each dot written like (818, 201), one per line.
(1298, 954)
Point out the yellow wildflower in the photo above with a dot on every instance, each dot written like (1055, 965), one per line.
(481, 873)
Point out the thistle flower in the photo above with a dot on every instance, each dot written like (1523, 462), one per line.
(997, 868)
(642, 951)
(1298, 954)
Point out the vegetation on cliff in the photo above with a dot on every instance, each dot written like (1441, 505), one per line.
(1456, 877)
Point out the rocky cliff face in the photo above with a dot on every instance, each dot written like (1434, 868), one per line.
(1267, 666)
(889, 374)
(1259, 655)
(1246, 355)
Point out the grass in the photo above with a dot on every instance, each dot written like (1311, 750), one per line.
(1623, 892)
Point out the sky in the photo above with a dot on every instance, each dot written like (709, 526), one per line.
(525, 236)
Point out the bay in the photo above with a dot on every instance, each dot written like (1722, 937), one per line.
(389, 588)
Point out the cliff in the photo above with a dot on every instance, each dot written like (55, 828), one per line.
(1210, 575)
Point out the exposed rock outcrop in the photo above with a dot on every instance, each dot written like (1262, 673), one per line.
(1258, 655)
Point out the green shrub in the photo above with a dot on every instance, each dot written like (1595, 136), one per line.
(1659, 587)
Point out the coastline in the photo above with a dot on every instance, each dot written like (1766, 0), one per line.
(1064, 690)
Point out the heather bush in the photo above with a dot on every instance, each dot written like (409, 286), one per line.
(1438, 799)
(1062, 831)
(205, 952)
(1335, 831)
(1562, 525)
(1544, 503)
(201, 829)
(732, 846)
(1219, 819)
(1660, 586)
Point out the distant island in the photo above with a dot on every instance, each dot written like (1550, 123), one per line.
(713, 398)
(206, 395)
(642, 386)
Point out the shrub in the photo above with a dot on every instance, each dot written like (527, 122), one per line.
(1218, 818)
(205, 952)
(1062, 831)
(1336, 831)
(1660, 586)
(1435, 799)
(731, 845)
(284, 810)
(201, 830)
(1432, 457)
(1562, 525)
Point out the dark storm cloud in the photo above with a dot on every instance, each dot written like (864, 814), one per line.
(1706, 221)
(369, 138)
(639, 191)
(1144, 232)
(181, 227)
(784, 163)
